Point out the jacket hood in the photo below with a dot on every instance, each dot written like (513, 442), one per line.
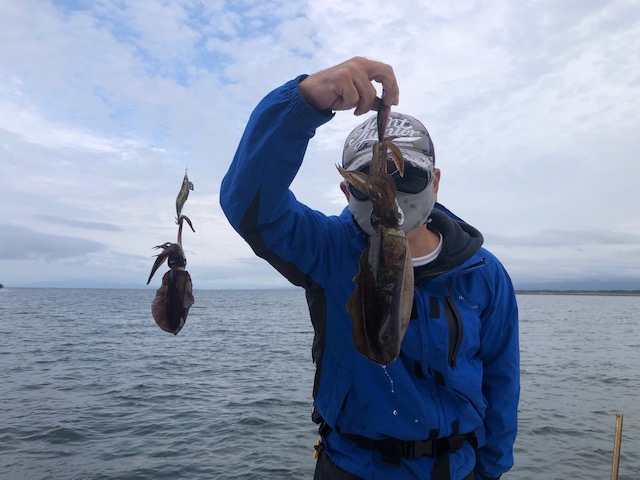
(460, 242)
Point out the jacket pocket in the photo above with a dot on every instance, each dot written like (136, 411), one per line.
(333, 392)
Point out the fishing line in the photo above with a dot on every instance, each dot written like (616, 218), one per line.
(200, 230)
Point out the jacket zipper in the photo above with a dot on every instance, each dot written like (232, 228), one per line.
(456, 329)
(482, 261)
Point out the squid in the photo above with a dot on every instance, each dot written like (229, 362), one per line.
(174, 298)
(380, 306)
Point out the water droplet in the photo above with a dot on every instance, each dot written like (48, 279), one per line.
(384, 367)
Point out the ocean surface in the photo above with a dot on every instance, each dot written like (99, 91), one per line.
(91, 388)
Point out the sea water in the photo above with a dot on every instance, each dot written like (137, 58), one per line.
(91, 388)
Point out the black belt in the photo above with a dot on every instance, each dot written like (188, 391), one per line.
(393, 449)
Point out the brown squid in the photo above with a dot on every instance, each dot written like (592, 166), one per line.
(174, 298)
(380, 306)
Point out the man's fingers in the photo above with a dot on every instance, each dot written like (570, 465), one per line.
(391, 97)
(383, 73)
(367, 93)
(347, 95)
(349, 85)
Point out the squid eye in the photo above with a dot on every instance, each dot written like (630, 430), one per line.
(400, 216)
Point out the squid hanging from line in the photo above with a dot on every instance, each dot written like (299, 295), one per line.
(380, 305)
(174, 298)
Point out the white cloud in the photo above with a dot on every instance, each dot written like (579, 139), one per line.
(531, 107)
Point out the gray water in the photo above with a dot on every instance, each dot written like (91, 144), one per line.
(91, 388)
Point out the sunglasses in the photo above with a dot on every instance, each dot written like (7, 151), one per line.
(413, 181)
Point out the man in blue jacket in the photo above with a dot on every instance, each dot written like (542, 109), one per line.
(446, 408)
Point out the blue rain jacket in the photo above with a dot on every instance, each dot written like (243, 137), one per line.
(458, 370)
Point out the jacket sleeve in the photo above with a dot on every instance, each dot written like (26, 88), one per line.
(500, 354)
(255, 194)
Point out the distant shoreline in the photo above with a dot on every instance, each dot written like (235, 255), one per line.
(612, 293)
(620, 293)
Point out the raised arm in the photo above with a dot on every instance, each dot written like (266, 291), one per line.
(255, 192)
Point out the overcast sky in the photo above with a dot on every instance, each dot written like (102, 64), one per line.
(533, 107)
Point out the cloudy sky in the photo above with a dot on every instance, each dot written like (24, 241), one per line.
(533, 106)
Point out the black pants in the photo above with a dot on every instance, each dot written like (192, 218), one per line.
(327, 470)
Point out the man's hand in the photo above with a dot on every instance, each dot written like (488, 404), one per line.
(349, 85)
